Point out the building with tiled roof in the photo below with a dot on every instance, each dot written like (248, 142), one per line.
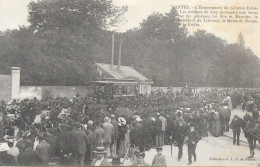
(124, 76)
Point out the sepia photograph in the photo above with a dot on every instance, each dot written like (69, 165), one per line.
(129, 83)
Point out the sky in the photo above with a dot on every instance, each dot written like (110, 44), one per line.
(14, 13)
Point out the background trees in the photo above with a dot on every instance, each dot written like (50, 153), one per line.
(65, 38)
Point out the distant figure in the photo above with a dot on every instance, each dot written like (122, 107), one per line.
(181, 133)
(159, 159)
(78, 144)
(108, 135)
(217, 125)
(29, 157)
(235, 125)
(140, 159)
(193, 139)
(43, 149)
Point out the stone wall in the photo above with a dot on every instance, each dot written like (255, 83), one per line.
(29, 92)
(5, 87)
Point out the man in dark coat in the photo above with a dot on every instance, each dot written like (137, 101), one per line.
(135, 140)
(193, 139)
(135, 136)
(114, 145)
(43, 149)
(90, 146)
(52, 139)
(181, 133)
(147, 133)
(78, 144)
(235, 126)
(157, 130)
(29, 157)
(64, 140)
(20, 142)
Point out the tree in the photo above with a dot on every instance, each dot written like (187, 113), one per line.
(73, 14)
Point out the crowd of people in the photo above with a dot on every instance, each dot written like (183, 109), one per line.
(90, 130)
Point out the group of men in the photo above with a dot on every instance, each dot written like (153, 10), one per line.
(115, 137)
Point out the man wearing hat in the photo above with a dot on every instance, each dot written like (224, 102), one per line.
(140, 159)
(78, 143)
(236, 127)
(108, 134)
(99, 134)
(157, 130)
(115, 144)
(29, 157)
(193, 139)
(52, 138)
(100, 160)
(43, 149)
(181, 133)
(159, 159)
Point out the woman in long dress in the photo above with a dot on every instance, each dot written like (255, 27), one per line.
(204, 124)
(217, 126)
(122, 130)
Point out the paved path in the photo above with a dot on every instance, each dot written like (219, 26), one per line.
(212, 151)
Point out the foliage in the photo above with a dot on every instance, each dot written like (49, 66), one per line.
(66, 38)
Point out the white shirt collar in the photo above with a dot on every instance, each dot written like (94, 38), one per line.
(98, 162)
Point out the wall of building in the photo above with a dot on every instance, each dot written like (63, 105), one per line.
(29, 92)
(5, 87)
(145, 89)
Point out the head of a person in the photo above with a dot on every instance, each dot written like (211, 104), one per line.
(100, 156)
(10, 144)
(19, 135)
(100, 151)
(41, 136)
(77, 125)
(90, 123)
(106, 119)
(113, 117)
(28, 144)
(139, 157)
(159, 150)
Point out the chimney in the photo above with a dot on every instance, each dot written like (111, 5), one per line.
(132, 66)
(113, 43)
(119, 58)
(15, 89)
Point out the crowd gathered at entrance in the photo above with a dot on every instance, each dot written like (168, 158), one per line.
(93, 130)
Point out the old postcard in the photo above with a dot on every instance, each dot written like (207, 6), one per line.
(129, 83)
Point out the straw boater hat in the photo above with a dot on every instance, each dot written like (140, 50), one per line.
(100, 150)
